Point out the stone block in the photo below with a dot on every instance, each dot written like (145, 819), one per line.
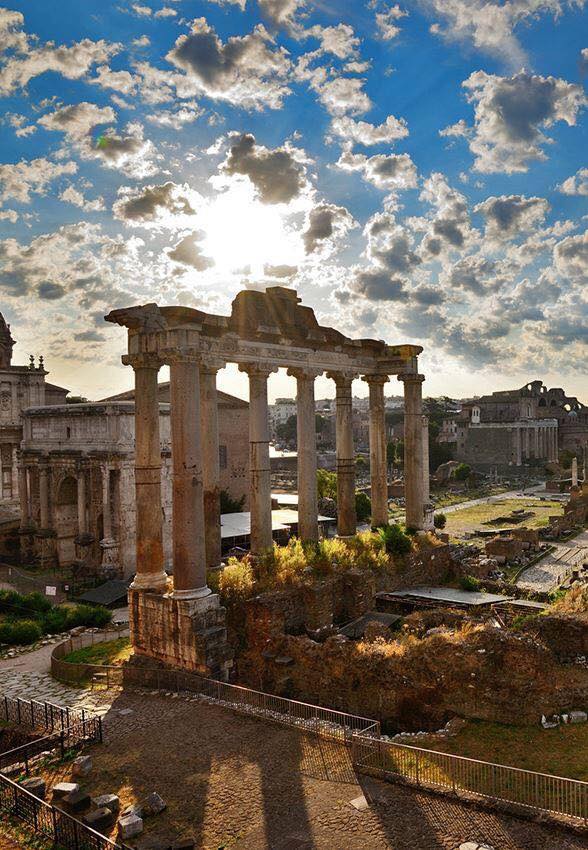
(76, 801)
(36, 785)
(107, 801)
(129, 826)
(151, 805)
(578, 717)
(62, 788)
(100, 819)
(81, 766)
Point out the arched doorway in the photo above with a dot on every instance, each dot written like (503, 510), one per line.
(66, 520)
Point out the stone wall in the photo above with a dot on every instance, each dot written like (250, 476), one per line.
(186, 634)
(485, 674)
(565, 635)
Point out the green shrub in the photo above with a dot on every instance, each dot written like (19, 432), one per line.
(36, 603)
(55, 621)
(20, 632)
(461, 472)
(236, 581)
(363, 507)
(88, 615)
(469, 583)
(440, 520)
(395, 540)
(326, 484)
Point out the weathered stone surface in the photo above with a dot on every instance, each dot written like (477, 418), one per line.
(100, 820)
(107, 801)
(129, 826)
(151, 805)
(36, 785)
(578, 717)
(62, 788)
(81, 766)
(184, 844)
(76, 801)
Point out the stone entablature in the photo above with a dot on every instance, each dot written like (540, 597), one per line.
(265, 332)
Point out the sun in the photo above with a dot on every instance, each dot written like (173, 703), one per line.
(243, 233)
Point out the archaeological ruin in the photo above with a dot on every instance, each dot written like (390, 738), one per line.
(185, 626)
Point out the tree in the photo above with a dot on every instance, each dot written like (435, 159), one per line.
(461, 472)
(326, 484)
(439, 520)
(228, 505)
(363, 506)
(287, 430)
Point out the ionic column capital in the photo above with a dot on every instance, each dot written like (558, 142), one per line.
(411, 378)
(303, 373)
(375, 379)
(142, 361)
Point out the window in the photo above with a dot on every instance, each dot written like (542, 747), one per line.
(68, 432)
(222, 456)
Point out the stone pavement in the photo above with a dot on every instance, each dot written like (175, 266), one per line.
(548, 573)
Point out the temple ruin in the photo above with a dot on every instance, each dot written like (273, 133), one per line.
(265, 331)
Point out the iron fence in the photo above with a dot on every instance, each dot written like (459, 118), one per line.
(54, 824)
(444, 771)
(326, 722)
(41, 715)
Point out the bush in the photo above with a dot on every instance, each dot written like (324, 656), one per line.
(55, 621)
(461, 472)
(20, 632)
(87, 615)
(283, 565)
(363, 507)
(326, 484)
(236, 581)
(469, 583)
(228, 505)
(396, 542)
(440, 520)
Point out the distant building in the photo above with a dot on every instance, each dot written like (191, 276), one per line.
(510, 428)
(279, 413)
(20, 387)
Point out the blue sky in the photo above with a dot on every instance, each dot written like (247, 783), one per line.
(416, 170)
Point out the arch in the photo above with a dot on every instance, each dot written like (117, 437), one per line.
(67, 493)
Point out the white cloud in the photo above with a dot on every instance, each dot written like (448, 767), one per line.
(120, 81)
(364, 133)
(343, 96)
(279, 175)
(508, 216)
(71, 195)
(165, 206)
(21, 179)
(325, 225)
(511, 115)
(78, 119)
(489, 25)
(246, 70)
(386, 22)
(390, 172)
(577, 184)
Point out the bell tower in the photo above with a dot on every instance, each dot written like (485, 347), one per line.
(6, 344)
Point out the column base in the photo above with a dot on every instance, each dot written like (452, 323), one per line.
(190, 634)
(193, 593)
(150, 581)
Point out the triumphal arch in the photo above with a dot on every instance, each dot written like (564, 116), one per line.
(184, 626)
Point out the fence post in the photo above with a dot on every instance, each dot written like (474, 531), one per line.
(62, 743)
(6, 708)
(46, 720)
(32, 715)
(18, 709)
(418, 777)
(54, 821)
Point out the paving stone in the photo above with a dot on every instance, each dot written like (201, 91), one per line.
(36, 785)
(107, 801)
(100, 820)
(360, 803)
(81, 766)
(76, 801)
(184, 844)
(129, 826)
(63, 788)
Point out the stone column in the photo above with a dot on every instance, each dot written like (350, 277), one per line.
(82, 518)
(260, 497)
(518, 446)
(306, 449)
(426, 474)
(23, 495)
(536, 435)
(210, 461)
(413, 449)
(346, 516)
(109, 546)
(189, 551)
(45, 520)
(378, 466)
(150, 573)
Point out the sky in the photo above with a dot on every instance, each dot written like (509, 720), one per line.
(416, 170)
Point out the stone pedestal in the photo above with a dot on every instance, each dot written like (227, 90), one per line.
(46, 548)
(189, 634)
(110, 565)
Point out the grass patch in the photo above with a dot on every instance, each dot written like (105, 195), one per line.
(111, 652)
(471, 519)
(560, 751)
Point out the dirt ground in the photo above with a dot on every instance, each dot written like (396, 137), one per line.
(237, 783)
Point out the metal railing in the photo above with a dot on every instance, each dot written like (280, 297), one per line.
(68, 728)
(498, 782)
(326, 722)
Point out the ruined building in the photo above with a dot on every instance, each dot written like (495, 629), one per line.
(20, 387)
(511, 428)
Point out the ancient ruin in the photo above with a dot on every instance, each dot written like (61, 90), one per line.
(265, 331)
